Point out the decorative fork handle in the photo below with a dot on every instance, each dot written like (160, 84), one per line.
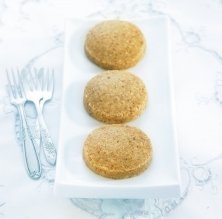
(46, 140)
(32, 162)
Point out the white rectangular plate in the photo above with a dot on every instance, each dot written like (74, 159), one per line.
(73, 178)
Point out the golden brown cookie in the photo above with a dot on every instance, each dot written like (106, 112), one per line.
(117, 151)
(115, 96)
(115, 44)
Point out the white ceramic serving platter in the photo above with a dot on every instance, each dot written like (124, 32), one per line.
(73, 178)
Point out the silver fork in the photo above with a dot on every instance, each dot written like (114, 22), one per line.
(38, 90)
(17, 98)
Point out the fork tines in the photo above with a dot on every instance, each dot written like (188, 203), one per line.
(14, 86)
(39, 79)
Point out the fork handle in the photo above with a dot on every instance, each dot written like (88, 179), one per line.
(46, 141)
(48, 147)
(31, 158)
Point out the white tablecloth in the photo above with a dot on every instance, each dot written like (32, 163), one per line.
(31, 34)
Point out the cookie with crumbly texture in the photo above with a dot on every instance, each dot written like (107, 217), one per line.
(115, 44)
(115, 96)
(117, 151)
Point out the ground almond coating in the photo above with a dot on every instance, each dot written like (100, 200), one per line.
(117, 151)
(115, 96)
(115, 44)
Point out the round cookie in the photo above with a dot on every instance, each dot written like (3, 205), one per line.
(115, 96)
(117, 151)
(115, 44)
